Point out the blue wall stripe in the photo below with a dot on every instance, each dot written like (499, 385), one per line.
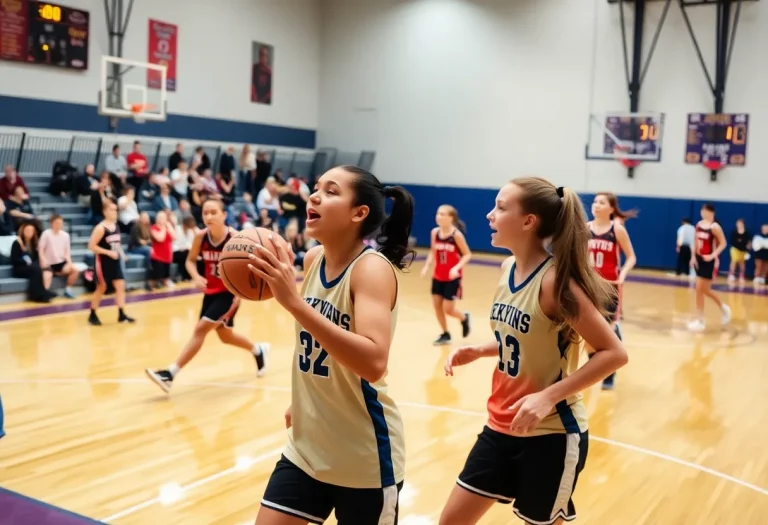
(49, 114)
(376, 411)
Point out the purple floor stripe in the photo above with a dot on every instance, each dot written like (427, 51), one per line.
(18, 509)
(79, 306)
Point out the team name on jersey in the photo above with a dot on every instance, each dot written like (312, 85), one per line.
(703, 234)
(211, 255)
(114, 238)
(508, 314)
(330, 312)
(445, 246)
(602, 245)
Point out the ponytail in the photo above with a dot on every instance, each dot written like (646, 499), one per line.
(570, 248)
(613, 202)
(396, 229)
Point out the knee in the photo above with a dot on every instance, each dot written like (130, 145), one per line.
(447, 307)
(225, 335)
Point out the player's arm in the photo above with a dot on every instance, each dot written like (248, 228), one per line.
(41, 247)
(93, 244)
(461, 242)
(194, 252)
(721, 243)
(366, 351)
(431, 254)
(622, 237)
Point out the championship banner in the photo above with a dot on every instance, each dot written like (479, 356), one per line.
(162, 51)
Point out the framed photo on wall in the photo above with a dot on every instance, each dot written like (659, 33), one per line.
(262, 59)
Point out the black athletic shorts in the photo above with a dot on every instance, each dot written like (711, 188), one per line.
(292, 491)
(58, 267)
(538, 473)
(705, 269)
(108, 269)
(159, 271)
(219, 308)
(612, 307)
(448, 290)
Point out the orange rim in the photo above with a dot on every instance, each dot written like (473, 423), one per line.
(142, 108)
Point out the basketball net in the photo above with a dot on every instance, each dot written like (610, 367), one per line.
(620, 150)
(138, 111)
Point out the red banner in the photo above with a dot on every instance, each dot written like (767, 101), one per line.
(162, 51)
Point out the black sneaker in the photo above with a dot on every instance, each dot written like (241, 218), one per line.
(261, 358)
(123, 318)
(94, 319)
(465, 327)
(161, 378)
(444, 339)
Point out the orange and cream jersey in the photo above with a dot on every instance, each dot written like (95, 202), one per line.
(532, 355)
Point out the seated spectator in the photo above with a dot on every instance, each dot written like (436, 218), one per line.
(182, 242)
(62, 179)
(176, 158)
(7, 230)
(84, 183)
(293, 204)
(161, 178)
(227, 163)
(248, 215)
(164, 201)
(263, 170)
(278, 176)
(247, 172)
(102, 193)
(26, 265)
(180, 181)
(296, 240)
(127, 210)
(225, 184)
(20, 208)
(9, 182)
(161, 253)
(200, 161)
(117, 165)
(138, 168)
(55, 256)
(208, 184)
(268, 204)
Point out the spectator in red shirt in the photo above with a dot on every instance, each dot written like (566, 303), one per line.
(10, 181)
(138, 168)
(161, 255)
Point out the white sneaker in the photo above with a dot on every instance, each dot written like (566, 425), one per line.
(726, 317)
(697, 325)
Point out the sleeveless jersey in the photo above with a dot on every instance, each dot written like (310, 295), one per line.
(604, 252)
(447, 255)
(210, 253)
(110, 241)
(705, 239)
(345, 431)
(532, 356)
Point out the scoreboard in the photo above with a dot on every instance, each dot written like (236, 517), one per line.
(44, 33)
(719, 137)
(639, 135)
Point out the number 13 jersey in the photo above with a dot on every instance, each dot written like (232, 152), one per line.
(345, 431)
(532, 355)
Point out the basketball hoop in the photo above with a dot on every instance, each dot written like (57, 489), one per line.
(713, 165)
(626, 162)
(138, 111)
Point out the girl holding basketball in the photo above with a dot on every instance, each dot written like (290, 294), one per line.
(219, 304)
(609, 238)
(450, 252)
(106, 245)
(535, 442)
(346, 447)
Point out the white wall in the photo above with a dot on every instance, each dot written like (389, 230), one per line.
(214, 58)
(471, 93)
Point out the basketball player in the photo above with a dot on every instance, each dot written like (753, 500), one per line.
(710, 243)
(346, 448)
(219, 304)
(609, 239)
(106, 245)
(450, 252)
(535, 443)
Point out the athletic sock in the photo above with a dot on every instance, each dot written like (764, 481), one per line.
(174, 369)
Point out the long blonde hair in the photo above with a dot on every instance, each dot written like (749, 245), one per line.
(563, 219)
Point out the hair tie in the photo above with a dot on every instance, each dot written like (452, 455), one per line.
(559, 191)
(387, 191)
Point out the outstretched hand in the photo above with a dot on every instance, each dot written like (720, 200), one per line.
(276, 270)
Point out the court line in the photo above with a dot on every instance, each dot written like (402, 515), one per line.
(423, 406)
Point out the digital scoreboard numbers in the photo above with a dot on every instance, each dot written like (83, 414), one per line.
(44, 33)
(631, 134)
(717, 137)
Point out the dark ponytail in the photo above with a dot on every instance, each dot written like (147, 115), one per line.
(391, 232)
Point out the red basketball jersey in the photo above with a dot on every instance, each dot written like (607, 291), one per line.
(447, 255)
(210, 253)
(604, 253)
(705, 239)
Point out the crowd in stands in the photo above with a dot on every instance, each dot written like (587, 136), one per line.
(159, 211)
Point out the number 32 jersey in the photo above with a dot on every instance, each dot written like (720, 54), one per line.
(532, 355)
(345, 431)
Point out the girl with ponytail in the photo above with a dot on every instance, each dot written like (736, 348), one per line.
(345, 320)
(450, 253)
(535, 441)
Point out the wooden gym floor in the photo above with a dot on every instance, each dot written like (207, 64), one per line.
(681, 440)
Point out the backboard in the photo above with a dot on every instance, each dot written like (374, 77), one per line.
(132, 89)
(634, 137)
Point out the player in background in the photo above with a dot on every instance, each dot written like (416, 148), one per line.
(609, 238)
(740, 245)
(760, 247)
(535, 443)
(346, 447)
(219, 304)
(710, 243)
(106, 245)
(450, 253)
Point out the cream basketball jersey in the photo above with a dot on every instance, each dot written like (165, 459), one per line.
(345, 431)
(532, 355)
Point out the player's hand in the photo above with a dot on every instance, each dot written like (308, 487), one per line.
(424, 271)
(528, 411)
(276, 270)
(454, 274)
(114, 255)
(288, 418)
(461, 356)
(694, 263)
(201, 283)
(622, 278)
(708, 258)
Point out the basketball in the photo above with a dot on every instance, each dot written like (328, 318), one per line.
(234, 261)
